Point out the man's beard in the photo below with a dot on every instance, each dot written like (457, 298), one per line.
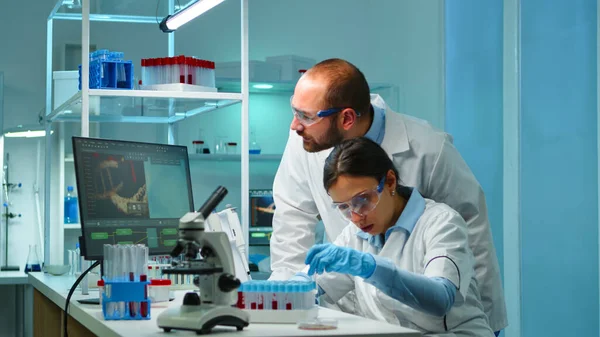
(332, 137)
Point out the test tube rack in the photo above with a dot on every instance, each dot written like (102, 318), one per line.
(278, 301)
(126, 300)
(109, 71)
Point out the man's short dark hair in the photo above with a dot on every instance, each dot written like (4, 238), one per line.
(347, 86)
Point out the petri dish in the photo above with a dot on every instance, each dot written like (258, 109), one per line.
(318, 324)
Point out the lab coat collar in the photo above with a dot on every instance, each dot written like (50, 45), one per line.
(395, 136)
(414, 209)
(377, 130)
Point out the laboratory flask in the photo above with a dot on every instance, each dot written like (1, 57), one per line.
(33, 260)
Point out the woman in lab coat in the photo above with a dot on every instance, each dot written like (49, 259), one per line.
(407, 257)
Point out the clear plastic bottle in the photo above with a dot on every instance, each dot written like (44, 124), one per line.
(77, 260)
(71, 207)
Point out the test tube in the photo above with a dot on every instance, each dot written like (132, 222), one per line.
(182, 70)
(123, 267)
(144, 72)
(288, 296)
(266, 295)
(198, 78)
(173, 69)
(253, 296)
(260, 305)
(240, 298)
(297, 298)
(132, 259)
(202, 77)
(144, 305)
(272, 294)
(152, 71)
(281, 296)
(109, 272)
(211, 75)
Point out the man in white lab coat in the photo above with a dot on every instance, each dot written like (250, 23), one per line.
(331, 102)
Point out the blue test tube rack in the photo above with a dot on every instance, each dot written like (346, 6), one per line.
(116, 292)
(108, 70)
(277, 295)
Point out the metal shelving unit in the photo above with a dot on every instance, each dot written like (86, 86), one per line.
(143, 106)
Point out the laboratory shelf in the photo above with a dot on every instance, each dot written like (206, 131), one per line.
(137, 11)
(277, 87)
(72, 226)
(234, 157)
(143, 106)
(163, 107)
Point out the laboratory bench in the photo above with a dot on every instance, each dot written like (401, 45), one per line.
(50, 294)
(22, 311)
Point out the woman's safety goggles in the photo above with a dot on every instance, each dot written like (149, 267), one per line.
(310, 120)
(362, 203)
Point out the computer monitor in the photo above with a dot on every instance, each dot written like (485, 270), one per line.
(130, 192)
(262, 209)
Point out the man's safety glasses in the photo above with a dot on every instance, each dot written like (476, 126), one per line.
(310, 120)
(362, 203)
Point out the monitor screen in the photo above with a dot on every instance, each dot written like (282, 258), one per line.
(262, 208)
(131, 193)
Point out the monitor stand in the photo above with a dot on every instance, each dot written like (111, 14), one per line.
(95, 301)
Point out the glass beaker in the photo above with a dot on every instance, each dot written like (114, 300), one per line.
(220, 145)
(254, 146)
(231, 148)
(198, 146)
(33, 260)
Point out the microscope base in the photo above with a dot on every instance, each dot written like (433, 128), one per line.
(202, 318)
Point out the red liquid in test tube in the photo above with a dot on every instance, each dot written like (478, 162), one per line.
(189, 62)
(132, 312)
(144, 305)
(181, 64)
(240, 300)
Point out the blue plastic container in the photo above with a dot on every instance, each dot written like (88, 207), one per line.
(108, 70)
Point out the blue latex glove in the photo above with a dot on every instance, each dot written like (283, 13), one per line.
(332, 258)
(301, 277)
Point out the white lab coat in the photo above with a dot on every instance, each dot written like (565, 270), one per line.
(425, 159)
(439, 232)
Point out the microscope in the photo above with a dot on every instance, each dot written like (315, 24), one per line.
(215, 276)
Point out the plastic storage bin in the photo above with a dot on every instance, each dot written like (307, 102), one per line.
(65, 86)
(291, 65)
(259, 71)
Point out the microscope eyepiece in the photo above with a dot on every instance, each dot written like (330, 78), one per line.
(211, 203)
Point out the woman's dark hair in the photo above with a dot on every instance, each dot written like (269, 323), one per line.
(358, 157)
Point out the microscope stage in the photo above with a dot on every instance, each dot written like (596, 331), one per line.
(202, 318)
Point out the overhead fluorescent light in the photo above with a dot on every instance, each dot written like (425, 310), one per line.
(26, 134)
(22, 131)
(172, 22)
(262, 86)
